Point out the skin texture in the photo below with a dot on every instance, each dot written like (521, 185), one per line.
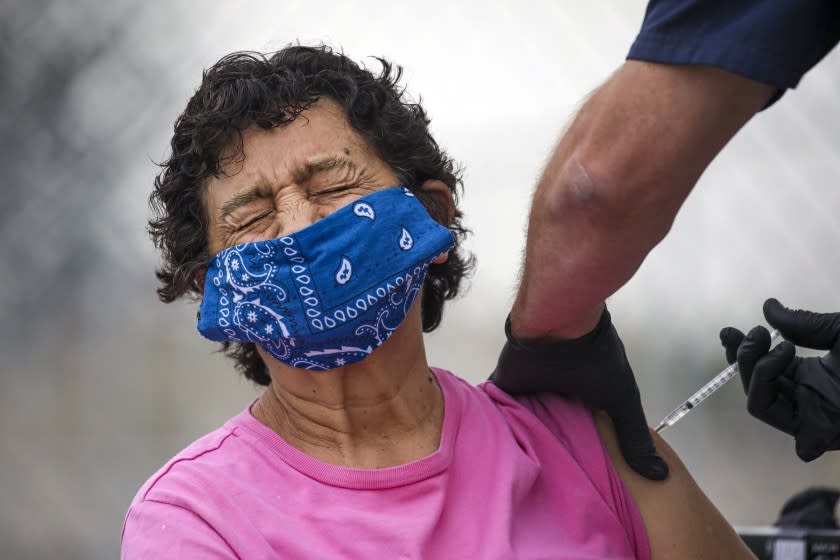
(680, 520)
(387, 409)
(615, 182)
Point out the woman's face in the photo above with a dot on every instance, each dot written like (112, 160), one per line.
(290, 177)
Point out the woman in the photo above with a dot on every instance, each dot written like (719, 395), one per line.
(319, 194)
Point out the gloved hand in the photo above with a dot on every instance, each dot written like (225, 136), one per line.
(593, 368)
(799, 396)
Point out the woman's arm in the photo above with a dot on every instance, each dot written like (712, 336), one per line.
(680, 520)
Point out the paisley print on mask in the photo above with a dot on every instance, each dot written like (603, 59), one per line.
(330, 294)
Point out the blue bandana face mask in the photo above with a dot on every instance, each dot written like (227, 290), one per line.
(330, 294)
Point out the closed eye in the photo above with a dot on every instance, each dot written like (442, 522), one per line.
(255, 219)
(336, 190)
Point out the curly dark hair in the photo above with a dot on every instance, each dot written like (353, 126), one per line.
(246, 88)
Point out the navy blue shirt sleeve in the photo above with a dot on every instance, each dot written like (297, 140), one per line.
(771, 41)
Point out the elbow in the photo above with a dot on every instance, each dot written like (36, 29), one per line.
(577, 192)
(606, 198)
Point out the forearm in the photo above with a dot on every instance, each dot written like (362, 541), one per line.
(615, 182)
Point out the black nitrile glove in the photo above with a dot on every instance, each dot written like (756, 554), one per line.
(593, 368)
(799, 396)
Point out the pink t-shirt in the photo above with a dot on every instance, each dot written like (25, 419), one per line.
(523, 478)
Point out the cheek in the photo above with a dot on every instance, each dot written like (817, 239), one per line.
(321, 208)
(326, 208)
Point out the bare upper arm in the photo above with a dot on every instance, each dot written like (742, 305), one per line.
(615, 182)
(680, 520)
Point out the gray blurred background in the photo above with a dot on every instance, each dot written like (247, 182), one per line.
(100, 384)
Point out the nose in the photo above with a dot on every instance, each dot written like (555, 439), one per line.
(300, 215)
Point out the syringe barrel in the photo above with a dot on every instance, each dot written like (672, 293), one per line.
(708, 389)
(713, 385)
(677, 413)
(720, 379)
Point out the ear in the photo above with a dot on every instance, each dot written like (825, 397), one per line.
(442, 202)
(200, 274)
(443, 206)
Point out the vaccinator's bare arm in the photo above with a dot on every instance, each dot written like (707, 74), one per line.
(615, 182)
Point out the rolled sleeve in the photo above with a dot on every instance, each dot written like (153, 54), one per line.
(771, 41)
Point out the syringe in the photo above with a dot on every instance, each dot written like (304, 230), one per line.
(706, 390)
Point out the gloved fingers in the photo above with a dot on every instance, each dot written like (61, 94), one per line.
(819, 424)
(634, 439)
(780, 415)
(753, 346)
(769, 397)
(731, 339)
(804, 328)
(787, 386)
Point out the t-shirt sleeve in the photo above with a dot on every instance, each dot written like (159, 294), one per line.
(572, 423)
(771, 41)
(158, 530)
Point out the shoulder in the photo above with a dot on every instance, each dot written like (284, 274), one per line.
(201, 477)
(562, 433)
(182, 475)
(544, 416)
(561, 415)
(161, 530)
(562, 424)
(466, 395)
(568, 420)
(168, 517)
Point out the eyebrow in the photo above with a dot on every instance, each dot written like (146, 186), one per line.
(301, 175)
(314, 167)
(241, 199)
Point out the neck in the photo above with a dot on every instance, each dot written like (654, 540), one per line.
(384, 411)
